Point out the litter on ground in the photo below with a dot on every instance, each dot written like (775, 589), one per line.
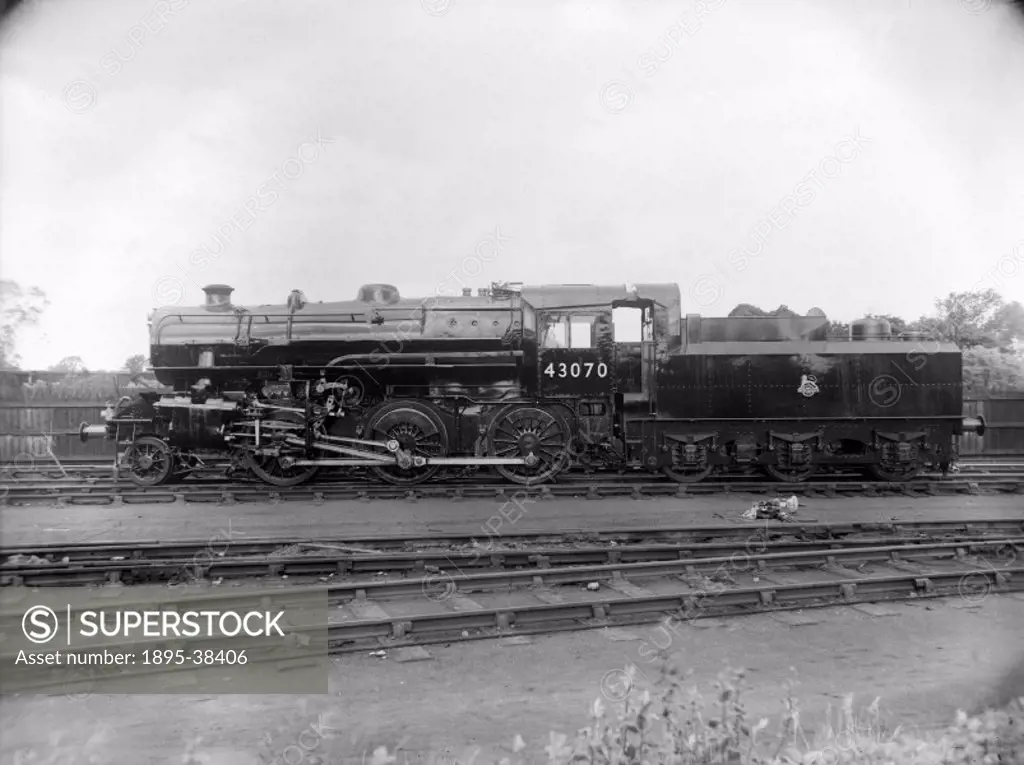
(773, 509)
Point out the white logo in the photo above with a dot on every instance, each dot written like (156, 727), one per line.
(40, 624)
(808, 385)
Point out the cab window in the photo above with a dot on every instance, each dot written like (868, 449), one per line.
(628, 324)
(633, 325)
(581, 332)
(556, 332)
(568, 331)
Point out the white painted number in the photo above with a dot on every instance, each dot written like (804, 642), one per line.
(576, 370)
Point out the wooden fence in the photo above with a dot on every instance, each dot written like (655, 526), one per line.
(42, 411)
(1004, 426)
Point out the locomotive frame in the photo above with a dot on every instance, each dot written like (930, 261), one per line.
(529, 382)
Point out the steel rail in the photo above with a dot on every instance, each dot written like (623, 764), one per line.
(675, 609)
(1005, 549)
(339, 593)
(94, 571)
(153, 549)
(213, 472)
(12, 496)
(427, 629)
(58, 486)
(93, 475)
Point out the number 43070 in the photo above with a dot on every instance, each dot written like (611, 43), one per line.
(586, 369)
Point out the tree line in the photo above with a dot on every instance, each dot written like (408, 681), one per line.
(989, 331)
(22, 308)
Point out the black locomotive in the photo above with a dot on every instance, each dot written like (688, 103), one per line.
(532, 381)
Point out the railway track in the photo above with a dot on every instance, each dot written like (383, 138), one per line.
(584, 486)
(930, 529)
(503, 492)
(96, 472)
(148, 562)
(383, 615)
(93, 484)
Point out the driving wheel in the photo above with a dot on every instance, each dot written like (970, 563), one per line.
(532, 432)
(420, 433)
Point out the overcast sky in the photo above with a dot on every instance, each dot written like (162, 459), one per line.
(135, 130)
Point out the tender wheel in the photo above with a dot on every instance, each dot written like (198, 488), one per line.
(149, 461)
(790, 474)
(681, 473)
(269, 468)
(687, 475)
(894, 475)
(419, 431)
(519, 431)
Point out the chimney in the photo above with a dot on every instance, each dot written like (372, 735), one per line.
(483, 292)
(218, 297)
(467, 292)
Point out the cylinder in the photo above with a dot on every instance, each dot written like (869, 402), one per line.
(974, 425)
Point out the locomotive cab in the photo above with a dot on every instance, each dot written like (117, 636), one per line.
(599, 361)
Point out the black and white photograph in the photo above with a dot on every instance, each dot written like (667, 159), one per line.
(493, 382)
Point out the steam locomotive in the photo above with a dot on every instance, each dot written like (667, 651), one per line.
(530, 382)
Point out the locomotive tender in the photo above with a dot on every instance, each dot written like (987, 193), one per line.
(531, 381)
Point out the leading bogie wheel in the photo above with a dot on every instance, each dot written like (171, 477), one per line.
(522, 431)
(149, 461)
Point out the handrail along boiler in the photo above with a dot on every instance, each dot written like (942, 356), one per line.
(531, 381)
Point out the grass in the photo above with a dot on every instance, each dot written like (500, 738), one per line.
(680, 726)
